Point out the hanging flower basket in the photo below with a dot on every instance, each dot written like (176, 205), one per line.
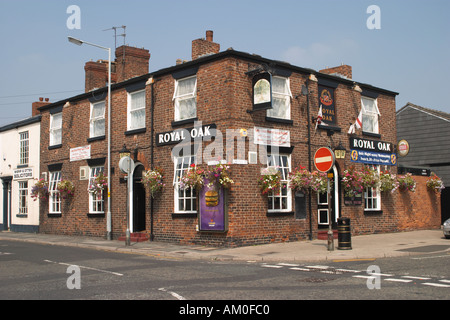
(153, 181)
(66, 189)
(319, 182)
(300, 179)
(192, 178)
(406, 183)
(352, 182)
(435, 183)
(219, 174)
(98, 184)
(388, 182)
(270, 180)
(40, 190)
(370, 177)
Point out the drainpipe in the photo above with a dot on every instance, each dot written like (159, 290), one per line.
(309, 160)
(152, 133)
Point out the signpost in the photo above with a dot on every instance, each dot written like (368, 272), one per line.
(324, 161)
(126, 165)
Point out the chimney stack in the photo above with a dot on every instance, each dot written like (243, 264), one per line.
(202, 47)
(343, 70)
(131, 62)
(36, 105)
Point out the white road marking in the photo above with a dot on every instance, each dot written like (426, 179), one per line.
(436, 285)
(317, 267)
(288, 265)
(300, 269)
(271, 266)
(173, 294)
(84, 267)
(445, 281)
(416, 278)
(349, 270)
(398, 280)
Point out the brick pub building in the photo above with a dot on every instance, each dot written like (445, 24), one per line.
(213, 94)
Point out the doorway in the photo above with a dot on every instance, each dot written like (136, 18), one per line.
(6, 181)
(139, 200)
(322, 204)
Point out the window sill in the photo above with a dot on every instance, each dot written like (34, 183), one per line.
(330, 128)
(182, 122)
(366, 211)
(54, 215)
(20, 166)
(184, 215)
(96, 138)
(370, 134)
(96, 215)
(279, 120)
(56, 146)
(135, 131)
(22, 215)
(279, 213)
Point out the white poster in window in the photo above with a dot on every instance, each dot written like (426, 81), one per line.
(272, 137)
(80, 153)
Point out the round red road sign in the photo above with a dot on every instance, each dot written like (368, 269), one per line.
(324, 159)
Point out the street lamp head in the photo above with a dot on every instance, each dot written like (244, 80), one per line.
(75, 41)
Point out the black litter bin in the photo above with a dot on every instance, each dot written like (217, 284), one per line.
(344, 234)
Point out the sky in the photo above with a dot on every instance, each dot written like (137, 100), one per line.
(408, 52)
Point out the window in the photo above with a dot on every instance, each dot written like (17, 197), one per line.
(24, 148)
(185, 200)
(54, 196)
(136, 110)
(281, 99)
(372, 199)
(282, 200)
(97, 120)
(185, 98)
(370, 115)
(95, 200)
(56, 129)
(23, 197)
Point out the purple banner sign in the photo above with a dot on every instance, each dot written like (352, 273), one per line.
(212, 209)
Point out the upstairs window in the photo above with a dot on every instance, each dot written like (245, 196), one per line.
(56, 129)
(281, 99)
(54, 196)
(24, 148)
(370, 115)
(136, 110)
(184, 97)
(97, 120)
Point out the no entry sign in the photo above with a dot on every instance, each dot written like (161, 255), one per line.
(324, 159)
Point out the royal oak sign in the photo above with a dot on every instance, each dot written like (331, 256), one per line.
(371, 145)
(179, 135)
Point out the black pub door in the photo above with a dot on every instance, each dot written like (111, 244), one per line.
(138, 200)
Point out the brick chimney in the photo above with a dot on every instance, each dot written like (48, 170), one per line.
(342, 70)
(202, 47)
(96, 74)
(131, 62)
(36, 105)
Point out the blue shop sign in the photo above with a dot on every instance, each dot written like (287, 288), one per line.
(369, 157)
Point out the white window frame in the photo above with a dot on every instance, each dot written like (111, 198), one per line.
(188, 197)
(94, 120)
(24, 150)
(130, 112)
(55, 129)
(372, 196)
(96, 202)
(177, 98)
(54, 203)
(370, 117)
(23, 197)
(275, 160)
(280, 97)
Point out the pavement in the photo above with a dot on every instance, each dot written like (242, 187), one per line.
(363, 247)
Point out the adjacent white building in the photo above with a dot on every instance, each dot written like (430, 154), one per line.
(19, 170)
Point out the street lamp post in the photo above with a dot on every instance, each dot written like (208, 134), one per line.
(108, 212)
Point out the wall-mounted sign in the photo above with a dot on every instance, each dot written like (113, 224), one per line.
(355, 200)
(24, 173)
(403, 148)
(177, 136)
(262, 91)
(371, 145)
(326, 99)
(272, 137)
(377, 158)
(213, 213)
(80, 153)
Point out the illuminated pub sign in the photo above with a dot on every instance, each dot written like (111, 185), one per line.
(213, 209)
(326, 100)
